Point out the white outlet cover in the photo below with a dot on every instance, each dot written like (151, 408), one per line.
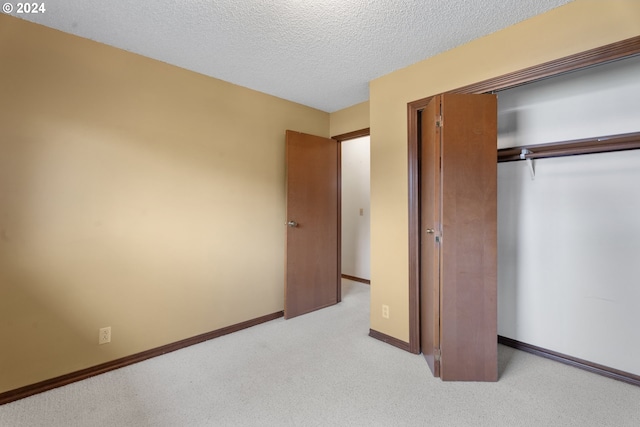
(104, 335)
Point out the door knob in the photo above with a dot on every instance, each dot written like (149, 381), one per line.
(430, 231)
(291, 224)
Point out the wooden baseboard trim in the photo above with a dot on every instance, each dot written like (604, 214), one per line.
(356, 279)
(29, 390)
(572, 361)
(389, 340)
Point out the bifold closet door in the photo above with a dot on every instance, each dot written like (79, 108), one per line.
(458, 240)
(468, 317)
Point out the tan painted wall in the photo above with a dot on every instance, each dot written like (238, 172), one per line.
(133, 194)
(578, 26)
(350, 119)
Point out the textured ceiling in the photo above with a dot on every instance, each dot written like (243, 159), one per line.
(321, 53)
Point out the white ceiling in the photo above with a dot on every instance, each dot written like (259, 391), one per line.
(320, 53)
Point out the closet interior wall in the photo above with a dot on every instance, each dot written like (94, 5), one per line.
(568, 236)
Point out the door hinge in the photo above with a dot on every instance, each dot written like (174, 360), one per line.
(439, 121)
(437, 354)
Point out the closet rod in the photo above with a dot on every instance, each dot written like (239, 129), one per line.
(601, 144)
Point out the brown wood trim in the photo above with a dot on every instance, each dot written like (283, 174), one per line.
(42, 386)
(602, 144)
(597, 56)
(352, 135)
(339, 224)
(555, 67)
(389, 340)
(356, 279)
(587, 58)
(572, 361)
(413, 114)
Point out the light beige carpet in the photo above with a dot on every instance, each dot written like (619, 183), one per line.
(322, 369)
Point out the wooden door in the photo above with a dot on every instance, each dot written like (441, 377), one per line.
(458, 237)
(429, 235)
(312, 259)
(468, 315)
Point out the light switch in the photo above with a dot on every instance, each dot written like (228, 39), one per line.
(361, 211)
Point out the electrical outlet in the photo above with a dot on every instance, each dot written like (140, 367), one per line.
(385, 311)
(104, 336)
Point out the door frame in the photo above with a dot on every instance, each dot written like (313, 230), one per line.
(599, 55)
(340, 138)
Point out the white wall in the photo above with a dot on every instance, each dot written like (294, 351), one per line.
(598, 101)
(569, 241)
(355, 207)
